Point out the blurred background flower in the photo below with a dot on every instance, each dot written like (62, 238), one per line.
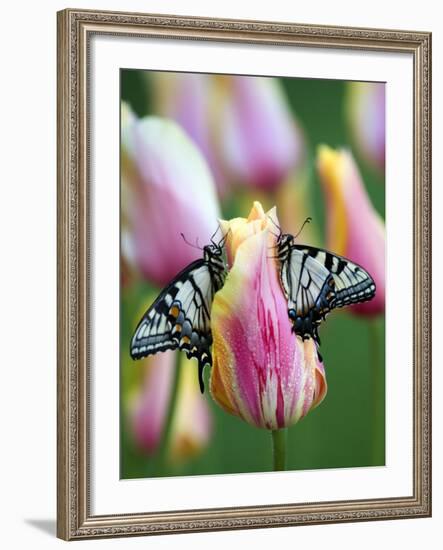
(148, 407)
(242, 125)
(187, 99)
(167, 190)
(191, 427)
(365, 111)
(219, 143)
(355, 230)
(191, 422)
(295, 205)
(259, 139)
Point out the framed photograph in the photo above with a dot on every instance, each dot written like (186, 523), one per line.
(244, 250)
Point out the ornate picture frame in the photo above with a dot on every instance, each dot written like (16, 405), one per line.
(75, 518)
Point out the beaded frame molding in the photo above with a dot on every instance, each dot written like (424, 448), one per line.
(74, 518)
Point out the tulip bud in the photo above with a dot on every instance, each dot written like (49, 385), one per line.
(167, 190)
(354, 228)
(260, 141)
(186, 98)
(366, 116)
(192, 424)
(261, 372)
(149, 406)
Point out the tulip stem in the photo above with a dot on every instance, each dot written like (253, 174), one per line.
(166, 435)
(279, 449)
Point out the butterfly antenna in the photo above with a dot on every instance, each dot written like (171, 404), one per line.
(308, 220)
(223, 239)
(277, 226)
(190, 244)
(215, 233)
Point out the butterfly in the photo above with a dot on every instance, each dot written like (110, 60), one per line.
(180, 316)
(316, 281)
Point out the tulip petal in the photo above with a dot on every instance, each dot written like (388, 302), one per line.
(186, 98)
(192, 424)
(148, 409)
(260, 139)
(354, 228)
(172, 192)
(366, 115)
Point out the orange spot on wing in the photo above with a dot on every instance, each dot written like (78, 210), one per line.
(174, 311)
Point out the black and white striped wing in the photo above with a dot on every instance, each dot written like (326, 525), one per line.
(179, 318)
(353, 284)
(309, 288)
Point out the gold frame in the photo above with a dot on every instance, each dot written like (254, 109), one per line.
(74, 519)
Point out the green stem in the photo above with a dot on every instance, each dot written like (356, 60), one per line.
(166, 435)
(279, 449)
(378, 401)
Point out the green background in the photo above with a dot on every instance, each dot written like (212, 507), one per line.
(347, 429)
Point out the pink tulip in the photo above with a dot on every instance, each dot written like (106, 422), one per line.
(167, 190)
(191, 424)
(259, 139)
(366, 116)
(261, 371)
(187, 99)
(354, 228)
(149, 407)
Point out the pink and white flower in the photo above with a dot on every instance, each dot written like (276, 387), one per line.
(260, 140)
(366, 116)
(354, 228)
(188, 98)
(149, 405)
(261, 371)
(168, 190)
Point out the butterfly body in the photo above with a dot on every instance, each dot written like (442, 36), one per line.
(180, 316)
(316, 281)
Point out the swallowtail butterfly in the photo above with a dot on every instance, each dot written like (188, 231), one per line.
(180, 316)
(316, 281)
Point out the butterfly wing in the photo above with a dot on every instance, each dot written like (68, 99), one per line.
(180, 318)
(309, 288)
(353, 284)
